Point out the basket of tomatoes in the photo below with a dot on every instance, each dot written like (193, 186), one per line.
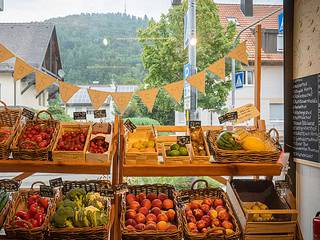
(29, 215)
(9, 122)
(34, 141)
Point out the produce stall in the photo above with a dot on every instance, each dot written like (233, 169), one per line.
(137, 212)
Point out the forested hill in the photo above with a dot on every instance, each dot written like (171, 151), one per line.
(85, 57)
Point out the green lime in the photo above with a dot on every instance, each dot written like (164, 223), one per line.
(183, 151)
(174, 153)
(168, 152)
(174, 147)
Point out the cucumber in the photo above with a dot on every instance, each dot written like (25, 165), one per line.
(4, 197)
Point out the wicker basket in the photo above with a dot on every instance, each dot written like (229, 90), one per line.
(151, 234)
(236, 156)
(196, 158)
(8, 118)
(19, 202)
(186, 196)
(98, 233)
(37, 153)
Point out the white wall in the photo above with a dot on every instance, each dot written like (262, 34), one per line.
(28, 98)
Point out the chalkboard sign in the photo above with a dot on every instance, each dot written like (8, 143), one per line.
(306, 112)
(79, 115)
(28, 113)
(230, 116)
(100, 113)
(129, 125)
(46, 191)
(10, 185)
(57, 182)
(194, 124)
(183, 140)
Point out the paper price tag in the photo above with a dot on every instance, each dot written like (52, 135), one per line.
(79, 115)
(129, 125)
(100, 113)
(57, 182)
(246, 112)
(183, 140)
(230, 116)
(194, 124)
(28, 113)
(46, 191)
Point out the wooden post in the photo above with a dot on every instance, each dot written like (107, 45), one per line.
(257, 72)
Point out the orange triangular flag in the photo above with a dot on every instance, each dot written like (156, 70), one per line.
(21, 69)
(198, 81)
(97, 97)
(5, 54)
(218, 68)
(43, 81)
(67, 90)
(240, 53)
(122, 100)
(149, 96)
(175, 89)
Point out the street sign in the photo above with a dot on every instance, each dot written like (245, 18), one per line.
(186, 31)
(187, 89)
(239, 79)
(280, 23)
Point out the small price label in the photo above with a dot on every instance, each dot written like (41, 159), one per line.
(79, 115)
(183, 140)
(129, 125)
(230, 116)
(46, 191)
(10, 185)
(194, 124)
(28, 113)
(57, 182)
(100, 113)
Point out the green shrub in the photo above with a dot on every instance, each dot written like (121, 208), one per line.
(143, 121)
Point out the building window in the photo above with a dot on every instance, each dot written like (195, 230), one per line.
(90, 110)
(276, 112)
(78, 109)
(234, 20)
(269, 40)
(248, 79)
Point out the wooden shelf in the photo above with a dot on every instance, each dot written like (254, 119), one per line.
(53, 167)
(210, 169)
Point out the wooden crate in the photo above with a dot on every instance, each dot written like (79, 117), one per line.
(269, 237)
(145, 158)
(249, 227)
(100, 157)
(71, 156)
(179, 160)
(200, 159)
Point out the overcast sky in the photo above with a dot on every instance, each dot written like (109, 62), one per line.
(38, 10)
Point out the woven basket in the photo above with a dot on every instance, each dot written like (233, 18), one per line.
(35, 154)
(8, 118)
(98, 233)
(235, 156)
(151, 234)
(19, 202)
(186, 196)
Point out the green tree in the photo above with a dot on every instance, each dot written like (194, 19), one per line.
(164, 56)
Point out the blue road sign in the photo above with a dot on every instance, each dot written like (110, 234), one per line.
(186, 70)
(280, 23)
(239, 79)
(187, 90)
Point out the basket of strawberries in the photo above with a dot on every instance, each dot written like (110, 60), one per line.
(28, 215)
(207, 214)
(9, 121)
(34, 141)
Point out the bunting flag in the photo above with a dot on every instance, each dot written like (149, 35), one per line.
(175, 90)
(122, 100)
(97, 97)
(5, 54)
(21, 69)
(43, 81)
(218, 68)
(149, 96)
(67, 90)
(198, 81)
(240, 53)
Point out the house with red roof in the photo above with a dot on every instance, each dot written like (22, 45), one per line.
(272, 62)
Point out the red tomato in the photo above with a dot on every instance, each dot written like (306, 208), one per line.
(34, 222)
(23, 215)
(44, 202)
